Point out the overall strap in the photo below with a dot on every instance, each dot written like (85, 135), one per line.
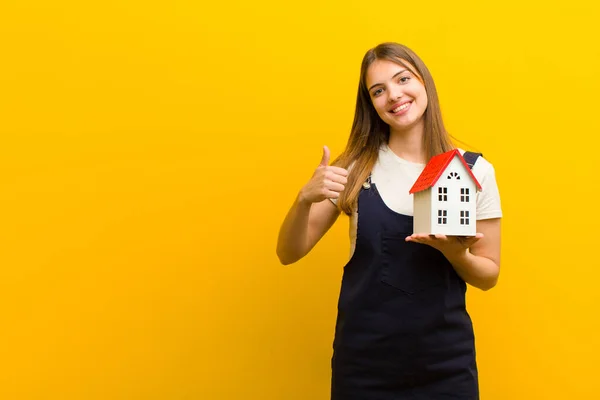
(470, 158)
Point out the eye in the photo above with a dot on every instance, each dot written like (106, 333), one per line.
(377, 92)
(404, 79)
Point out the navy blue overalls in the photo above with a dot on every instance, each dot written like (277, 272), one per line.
(402, 330)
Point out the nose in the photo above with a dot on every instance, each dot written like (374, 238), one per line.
(394, 94)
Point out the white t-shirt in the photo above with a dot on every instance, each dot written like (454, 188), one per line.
(395, 176)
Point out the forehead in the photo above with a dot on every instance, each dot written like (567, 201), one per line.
(382, 70)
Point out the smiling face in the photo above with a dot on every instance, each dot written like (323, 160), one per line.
(397, 94)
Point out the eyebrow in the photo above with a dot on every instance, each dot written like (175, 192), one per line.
(395, 75)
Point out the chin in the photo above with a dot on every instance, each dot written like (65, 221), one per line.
(403, 127)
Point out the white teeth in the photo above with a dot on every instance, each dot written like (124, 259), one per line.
(402, 107)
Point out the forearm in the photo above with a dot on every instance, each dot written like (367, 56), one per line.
(312, 213)
(477, 271)
(293, 243)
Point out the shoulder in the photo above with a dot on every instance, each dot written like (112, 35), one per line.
(488, 200)
(482, 168)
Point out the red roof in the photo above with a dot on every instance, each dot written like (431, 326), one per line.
(436, 167)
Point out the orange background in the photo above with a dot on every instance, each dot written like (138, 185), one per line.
(150, 151)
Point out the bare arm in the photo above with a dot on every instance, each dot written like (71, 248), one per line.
(312, 213)
(475, 259)
(304, 225)
(480, 266)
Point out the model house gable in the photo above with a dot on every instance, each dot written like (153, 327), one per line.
(445, 196)
(446, 165)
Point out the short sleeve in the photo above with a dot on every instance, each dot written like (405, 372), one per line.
(488, 200)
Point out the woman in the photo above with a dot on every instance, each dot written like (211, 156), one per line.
(402, 329)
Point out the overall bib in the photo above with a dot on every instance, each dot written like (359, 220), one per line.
(402, 330)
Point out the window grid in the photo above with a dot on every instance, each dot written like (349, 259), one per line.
(442, 194)
(464, 195)
(464, 218)
(442, 217)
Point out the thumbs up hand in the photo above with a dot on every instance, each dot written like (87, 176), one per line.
(327, 181)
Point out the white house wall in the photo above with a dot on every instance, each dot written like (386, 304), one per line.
(453, 205)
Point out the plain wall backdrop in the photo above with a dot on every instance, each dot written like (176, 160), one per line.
(150, 150)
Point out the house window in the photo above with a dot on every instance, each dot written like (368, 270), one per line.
(442, 194)
(464, 195)
(453, 175)
(464, 218)
(442, 217)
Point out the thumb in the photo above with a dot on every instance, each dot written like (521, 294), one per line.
(325, 158)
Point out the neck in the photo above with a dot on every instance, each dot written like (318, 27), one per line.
(408, 143)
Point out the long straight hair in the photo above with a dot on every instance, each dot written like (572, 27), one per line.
(369, 132)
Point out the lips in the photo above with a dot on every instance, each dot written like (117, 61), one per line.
(400, 107)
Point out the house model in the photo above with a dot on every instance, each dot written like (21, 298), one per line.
(445, 197)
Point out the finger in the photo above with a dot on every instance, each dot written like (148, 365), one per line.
(441, 237)
(416, 237)
(325, 158)
(330, 194)
(336, 178)
(424, 241)
(334, 186)
(338, 170)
